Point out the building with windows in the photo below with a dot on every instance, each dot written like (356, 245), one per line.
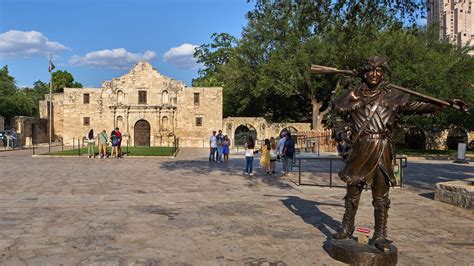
(455, 18)
(149, 108)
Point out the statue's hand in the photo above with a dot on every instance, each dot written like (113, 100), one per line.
(456, 103)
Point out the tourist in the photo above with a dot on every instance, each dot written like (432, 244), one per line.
(280, 147)
(119, 146)
(273, 155)
(220, 144)
(114, 140)
(249, 155)
(265, 157)
(213, 147)
(226, 148)
(90, 143)
(289, 152)
(102, 144)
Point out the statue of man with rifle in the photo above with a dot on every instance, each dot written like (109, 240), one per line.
(365, 118)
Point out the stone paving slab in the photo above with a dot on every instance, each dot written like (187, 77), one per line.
(185, 211)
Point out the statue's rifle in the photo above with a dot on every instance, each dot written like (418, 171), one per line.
(317, 69)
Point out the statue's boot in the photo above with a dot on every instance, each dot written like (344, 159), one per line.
(347, 227)
(381, 205)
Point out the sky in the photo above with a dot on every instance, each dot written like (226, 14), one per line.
(97, 40)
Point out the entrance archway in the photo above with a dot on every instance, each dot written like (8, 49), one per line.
(455, 136)
(141, 136)
(242, 133)
(415, 139)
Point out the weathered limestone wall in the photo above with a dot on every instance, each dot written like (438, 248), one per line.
(26, 127)
(209, 110)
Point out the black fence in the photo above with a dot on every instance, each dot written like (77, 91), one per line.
(320, 171)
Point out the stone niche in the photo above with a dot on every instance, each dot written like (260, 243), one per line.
(459, 193)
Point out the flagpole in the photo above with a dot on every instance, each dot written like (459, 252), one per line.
(50, 99)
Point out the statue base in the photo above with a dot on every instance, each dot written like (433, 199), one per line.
(351, 252)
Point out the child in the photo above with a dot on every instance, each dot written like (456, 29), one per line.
(225, 148)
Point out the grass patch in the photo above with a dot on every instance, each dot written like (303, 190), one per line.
(132, 151)
(412, 152)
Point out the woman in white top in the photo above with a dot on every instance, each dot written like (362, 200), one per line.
(273, 155)
(249, 154)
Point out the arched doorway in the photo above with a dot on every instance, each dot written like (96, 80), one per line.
(415, 138)
(455, 136)
(241, 134)
(141, 136)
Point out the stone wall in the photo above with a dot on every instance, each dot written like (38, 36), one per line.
(2, 123)
(30, 129)
(459, 193)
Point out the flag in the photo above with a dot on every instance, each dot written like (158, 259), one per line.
(51, 66)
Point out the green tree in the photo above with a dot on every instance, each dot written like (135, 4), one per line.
(64, 79)
(7, 83)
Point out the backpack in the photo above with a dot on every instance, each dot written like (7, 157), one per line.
(115, 141)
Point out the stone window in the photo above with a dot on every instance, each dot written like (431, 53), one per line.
(141, 97)
(199, 121)
(86, 98)
(196, 99)
(86, 121)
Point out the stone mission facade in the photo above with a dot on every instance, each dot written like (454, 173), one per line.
(149, 108)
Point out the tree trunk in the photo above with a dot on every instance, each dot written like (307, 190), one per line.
(317, 114)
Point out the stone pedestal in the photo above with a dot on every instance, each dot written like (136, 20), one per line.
(459, 193)
(353, 253)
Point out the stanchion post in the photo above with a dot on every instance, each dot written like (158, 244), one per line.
(330, 173)
(79, 146)
(73, 142)
(299, 171)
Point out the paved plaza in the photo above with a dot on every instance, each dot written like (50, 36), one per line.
(183, 211)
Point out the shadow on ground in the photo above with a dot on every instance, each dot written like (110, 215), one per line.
(310, 213)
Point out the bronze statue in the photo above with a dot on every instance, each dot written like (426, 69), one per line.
(364, 118)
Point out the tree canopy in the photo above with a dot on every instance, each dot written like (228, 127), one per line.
(265, 72)
(16, 101)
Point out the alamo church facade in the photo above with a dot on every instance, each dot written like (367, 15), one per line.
(149, 108)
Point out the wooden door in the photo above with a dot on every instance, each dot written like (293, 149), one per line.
(141, 133)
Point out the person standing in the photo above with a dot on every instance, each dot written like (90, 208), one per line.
(289, 152)
(249, 155)
(280, 147)
(220, 146)
(114, 140)
(265, 157)
(212, 147)
(226, 148)
(90, 143)
(273, 155)
(119, 146)
(102, 144)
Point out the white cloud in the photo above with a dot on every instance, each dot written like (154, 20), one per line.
(118, 58)
(182, 56)
(15, 43)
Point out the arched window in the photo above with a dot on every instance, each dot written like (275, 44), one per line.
(164, 123)
(164, 97)
(119, 97)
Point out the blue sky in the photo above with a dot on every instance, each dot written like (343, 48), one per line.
(97, 40)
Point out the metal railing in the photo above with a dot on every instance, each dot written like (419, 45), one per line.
(402, 163)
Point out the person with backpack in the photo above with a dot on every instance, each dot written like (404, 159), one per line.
(115, 142)
(102, 144)
(289, 152)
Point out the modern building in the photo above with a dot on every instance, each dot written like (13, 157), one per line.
(455, 18)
